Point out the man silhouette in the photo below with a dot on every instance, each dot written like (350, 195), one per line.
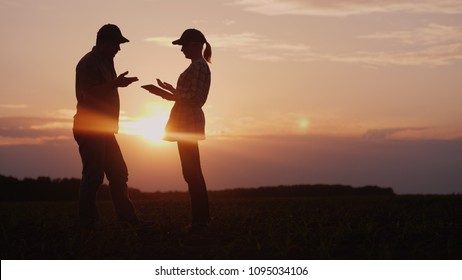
(96, 122)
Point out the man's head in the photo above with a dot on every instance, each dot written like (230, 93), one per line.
(110, 33)
(109, 38)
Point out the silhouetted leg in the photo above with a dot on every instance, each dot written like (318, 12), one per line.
(192, 173)
(117, 175)
(91, 148)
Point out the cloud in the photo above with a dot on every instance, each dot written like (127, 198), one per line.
(14, 106)
(339, 8)
(386, 133)
(432, 56)
(250, 46)
(431, 45)
(263, 57)
(31, 130)
(236, 41)
(267, 123)
(272, 123)
(248, 41)
(435, 45)
(429, 35)
(163, 41)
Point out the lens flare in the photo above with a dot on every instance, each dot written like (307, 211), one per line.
(150, 127)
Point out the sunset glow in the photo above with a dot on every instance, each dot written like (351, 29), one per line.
(299, 91)
(150, 127)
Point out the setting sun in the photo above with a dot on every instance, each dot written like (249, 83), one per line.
(151, 126)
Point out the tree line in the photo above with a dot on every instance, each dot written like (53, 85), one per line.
(45, 188)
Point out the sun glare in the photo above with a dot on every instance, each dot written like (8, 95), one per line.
(150, 127)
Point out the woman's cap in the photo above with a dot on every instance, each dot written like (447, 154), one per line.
(190, 36)
(111, 32)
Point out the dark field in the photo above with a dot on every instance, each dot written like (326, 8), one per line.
(336, 227)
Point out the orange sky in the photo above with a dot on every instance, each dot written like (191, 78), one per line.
(291, 82)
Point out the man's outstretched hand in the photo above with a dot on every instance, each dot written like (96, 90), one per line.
(123, 81)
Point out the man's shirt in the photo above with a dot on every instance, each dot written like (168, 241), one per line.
(97, 111)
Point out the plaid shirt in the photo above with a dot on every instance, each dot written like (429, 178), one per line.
(187, 120)
(96, 111)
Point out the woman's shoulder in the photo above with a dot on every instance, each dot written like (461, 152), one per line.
(200, 65)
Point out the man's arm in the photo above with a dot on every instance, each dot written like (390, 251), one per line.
(120, 81)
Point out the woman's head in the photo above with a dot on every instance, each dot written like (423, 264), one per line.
(192, 41)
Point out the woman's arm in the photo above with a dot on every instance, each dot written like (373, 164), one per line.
(160, 92)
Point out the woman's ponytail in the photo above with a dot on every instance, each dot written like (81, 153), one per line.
(208, 52)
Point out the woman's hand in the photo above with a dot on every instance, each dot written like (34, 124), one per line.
(166, 86)
(159, 92)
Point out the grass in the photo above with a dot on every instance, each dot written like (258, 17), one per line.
(352, 227)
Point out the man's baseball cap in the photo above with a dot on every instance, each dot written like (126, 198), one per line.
(111, 32)
(190, 36)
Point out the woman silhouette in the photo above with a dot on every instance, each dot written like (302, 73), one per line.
(186, 124)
